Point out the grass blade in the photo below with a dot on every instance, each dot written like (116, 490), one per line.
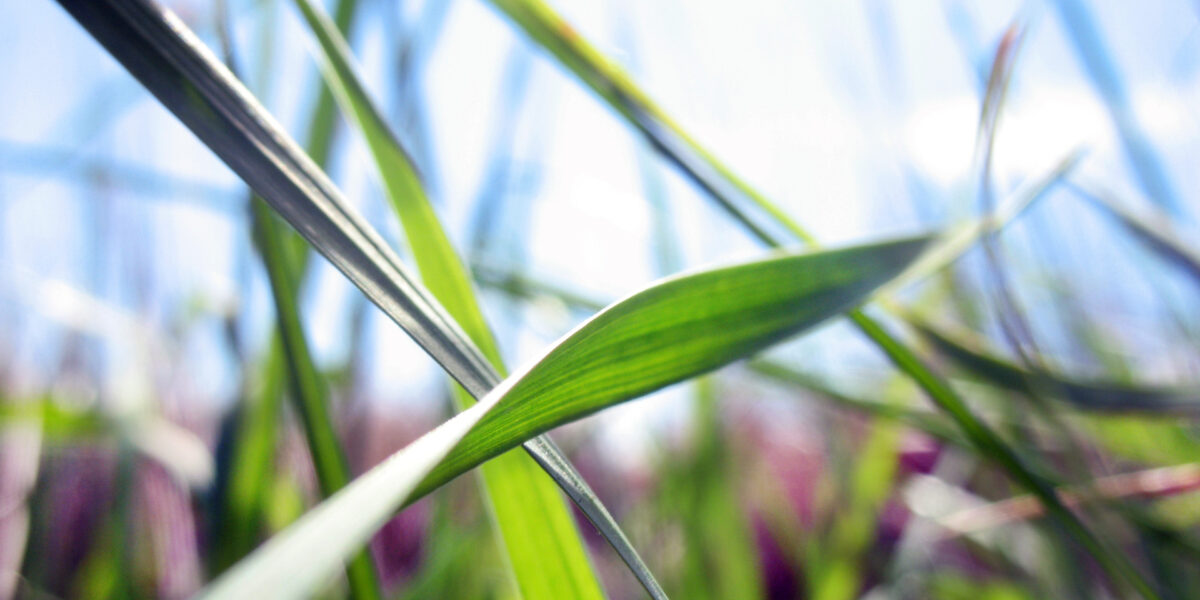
(1152, 227)
(1100, 396)
(252, 457)
(654, 338)
(308, 389)
(747, 308)
(958, 240)
(525, 504)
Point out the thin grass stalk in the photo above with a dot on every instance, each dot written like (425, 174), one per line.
(308, 390)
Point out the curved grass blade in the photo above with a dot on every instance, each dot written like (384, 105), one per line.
(526, 505)
(1100, 396)
(654, 338)
(682, 327)
(554, 34)
(523, 287)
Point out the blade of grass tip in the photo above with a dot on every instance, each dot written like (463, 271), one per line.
(655, 337)
(553, 33)
(1013, 324)
(308, 391)
(1102, 396)
(524, 287)
(526, 505)
(254, 446)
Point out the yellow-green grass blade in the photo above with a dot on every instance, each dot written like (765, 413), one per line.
(676, 329)
(554, 34)
(527, 508)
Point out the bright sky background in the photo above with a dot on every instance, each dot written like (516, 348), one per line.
(825, 106)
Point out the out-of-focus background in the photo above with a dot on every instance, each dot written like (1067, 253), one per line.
(135, 314)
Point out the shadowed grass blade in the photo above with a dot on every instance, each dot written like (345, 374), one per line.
(1101, 396)
(654, 338)
(1152, 227)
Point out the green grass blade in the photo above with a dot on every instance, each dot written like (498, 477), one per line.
(554, 34)
(656, 337)
(1100, 396)
(308, 389)
(525, 504)
(991, 445)
(928, 422)
(745, 308)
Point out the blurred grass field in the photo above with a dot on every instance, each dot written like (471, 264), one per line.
(182, 378)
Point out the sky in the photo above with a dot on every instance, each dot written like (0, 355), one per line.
(859, 118)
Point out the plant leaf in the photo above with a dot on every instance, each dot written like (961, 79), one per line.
(1091, 395)
(308, 388)
(1152, 227)
(656, 337)
(682, 327)
(958, 240)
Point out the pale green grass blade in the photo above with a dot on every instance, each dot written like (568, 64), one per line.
(958, 240)
(654, 338)
(306, 555)
(528, 509)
